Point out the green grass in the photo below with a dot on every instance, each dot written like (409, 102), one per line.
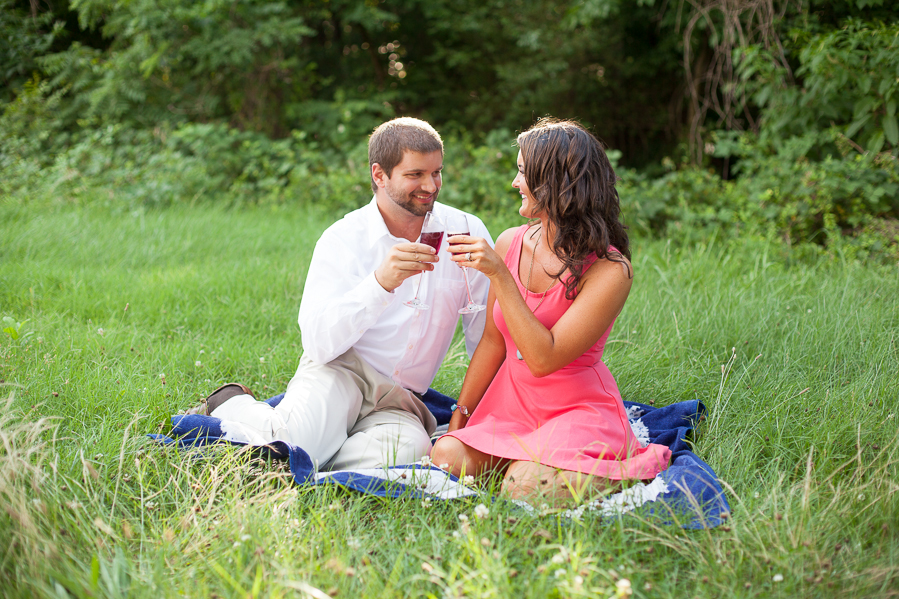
(129, 317)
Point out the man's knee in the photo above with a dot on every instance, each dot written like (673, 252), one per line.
(399, 437)
(413, 444)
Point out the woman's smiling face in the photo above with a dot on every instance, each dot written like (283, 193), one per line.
(528, 206)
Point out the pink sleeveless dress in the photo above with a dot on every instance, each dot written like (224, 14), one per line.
(572, 419)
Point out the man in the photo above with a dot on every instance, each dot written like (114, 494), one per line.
(353, 402)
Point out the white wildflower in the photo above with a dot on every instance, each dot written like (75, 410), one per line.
(481, 511)
(425, 461)
(262, 359)
(778, 578)
(100, 331)
(468, 480)
(623, 588)
(198, 364)
(464, 526)
(560, 573)
(245, 537)
(353, 544)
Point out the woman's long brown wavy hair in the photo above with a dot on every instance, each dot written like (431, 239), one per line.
(572, 182)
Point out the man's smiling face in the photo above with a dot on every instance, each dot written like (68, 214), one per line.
(415, 182)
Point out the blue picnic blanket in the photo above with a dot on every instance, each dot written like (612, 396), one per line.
(687, 494)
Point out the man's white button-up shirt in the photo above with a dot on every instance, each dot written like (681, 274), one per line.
(344, 306)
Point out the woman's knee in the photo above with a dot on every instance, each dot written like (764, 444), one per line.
(524, 479)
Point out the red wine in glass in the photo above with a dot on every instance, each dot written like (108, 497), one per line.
(458, 222)
(432, 231)
(432, 239)
(453, 234)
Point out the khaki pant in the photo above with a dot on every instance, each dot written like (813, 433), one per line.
(344, 414)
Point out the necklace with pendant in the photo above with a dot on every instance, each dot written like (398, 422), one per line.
(527, 288)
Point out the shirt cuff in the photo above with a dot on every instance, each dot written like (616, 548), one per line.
(372, 291)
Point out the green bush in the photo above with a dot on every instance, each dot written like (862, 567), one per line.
(847, 202)
(213, 162)
(847, 79)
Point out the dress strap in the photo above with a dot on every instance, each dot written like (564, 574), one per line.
(513, 255)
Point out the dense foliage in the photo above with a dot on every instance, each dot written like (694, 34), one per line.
(772, 118)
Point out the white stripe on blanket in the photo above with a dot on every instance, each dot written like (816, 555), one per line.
(432, 481)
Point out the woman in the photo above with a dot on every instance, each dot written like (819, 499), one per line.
(549, 413)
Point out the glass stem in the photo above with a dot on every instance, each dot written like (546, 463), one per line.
(417, 289)
(467, 286)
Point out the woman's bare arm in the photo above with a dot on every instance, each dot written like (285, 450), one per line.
(487, 358)
(603, 291)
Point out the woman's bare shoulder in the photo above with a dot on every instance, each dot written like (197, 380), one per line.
(614, 268)
(504, 241)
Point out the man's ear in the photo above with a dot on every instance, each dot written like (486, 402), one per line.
(378, 175)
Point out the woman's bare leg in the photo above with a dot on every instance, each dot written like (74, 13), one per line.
(533, 481)
(460, 459)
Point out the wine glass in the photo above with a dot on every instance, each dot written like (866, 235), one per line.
(431, 234)
(457, 224)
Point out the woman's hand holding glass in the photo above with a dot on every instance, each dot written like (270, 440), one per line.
(457, 229)
(476, 253)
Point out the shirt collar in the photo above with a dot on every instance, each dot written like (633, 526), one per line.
(377, 228)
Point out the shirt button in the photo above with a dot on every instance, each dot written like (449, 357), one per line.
(396, 372)
(410, 346)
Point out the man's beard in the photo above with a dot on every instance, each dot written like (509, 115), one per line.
(407, 203)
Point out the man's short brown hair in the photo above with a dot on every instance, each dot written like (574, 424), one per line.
(392, 139)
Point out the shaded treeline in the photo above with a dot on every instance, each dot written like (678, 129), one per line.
(652, 77)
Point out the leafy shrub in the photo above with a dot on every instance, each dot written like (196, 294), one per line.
(847, 202)
(848, 79)
(692, 198)
(215, 162)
